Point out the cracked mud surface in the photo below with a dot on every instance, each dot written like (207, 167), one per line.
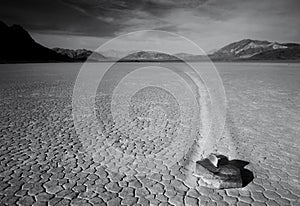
(42, 160)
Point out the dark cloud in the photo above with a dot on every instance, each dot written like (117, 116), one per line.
(91, 17)
(127, 8)
(222, 20)
(134, 14)
(53, 16)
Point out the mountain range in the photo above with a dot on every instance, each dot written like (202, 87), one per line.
(18, 46)
(249, 49)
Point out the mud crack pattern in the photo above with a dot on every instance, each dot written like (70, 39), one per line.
(42, 161)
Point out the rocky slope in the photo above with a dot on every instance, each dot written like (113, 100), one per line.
(255, 49)
(18, 46)
(80, 54)
(290, 53)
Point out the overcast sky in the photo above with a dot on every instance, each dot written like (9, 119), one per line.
(210, 23)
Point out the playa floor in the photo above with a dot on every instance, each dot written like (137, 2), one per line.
(44, 162)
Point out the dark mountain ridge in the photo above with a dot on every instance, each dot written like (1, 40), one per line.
(18, 46)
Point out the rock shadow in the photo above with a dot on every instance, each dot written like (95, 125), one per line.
(247, 175)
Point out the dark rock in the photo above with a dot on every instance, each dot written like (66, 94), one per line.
(217, 159)
(216, 172)
(204, 168)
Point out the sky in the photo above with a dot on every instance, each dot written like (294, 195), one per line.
(211, 24)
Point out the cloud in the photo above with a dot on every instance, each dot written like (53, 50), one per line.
(213, 23)
(135, 14)
(53, 16)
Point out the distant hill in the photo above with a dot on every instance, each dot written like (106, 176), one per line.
(191, 57)
(115, 54)
(18, 46)
(186, 56)
(259, 50)
(80, 54)
(149, 56)
(246, 49)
